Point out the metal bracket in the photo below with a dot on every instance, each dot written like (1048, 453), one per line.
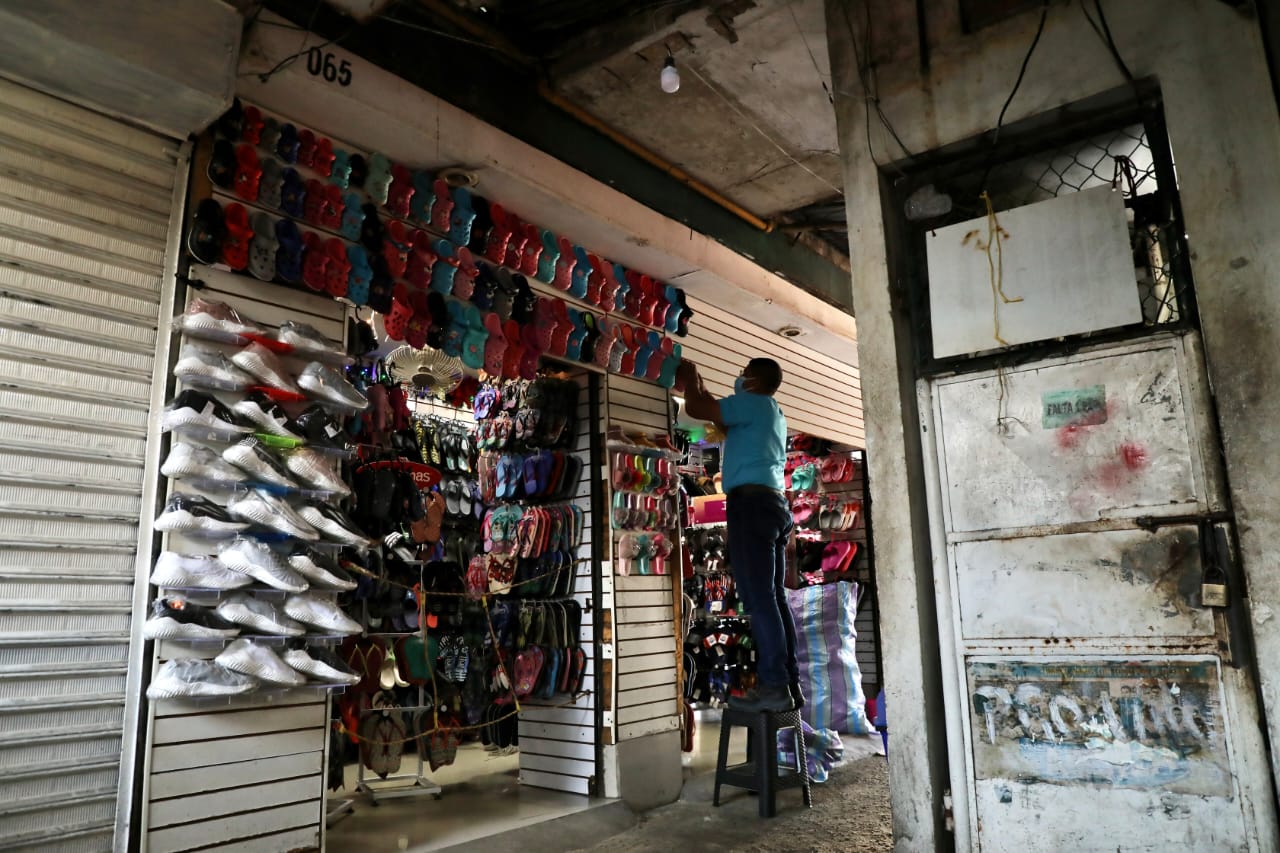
(1155, 522)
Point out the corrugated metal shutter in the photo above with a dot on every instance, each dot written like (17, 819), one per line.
(85, 209)
(819, 394)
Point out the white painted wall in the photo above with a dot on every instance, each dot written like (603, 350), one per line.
(1224, 131)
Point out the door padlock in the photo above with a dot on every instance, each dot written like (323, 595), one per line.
(1213, 588)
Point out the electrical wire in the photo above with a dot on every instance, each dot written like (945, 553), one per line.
(1103, 32)
(759, 130)
(791, 8)
(1017, 84)
(869, 96)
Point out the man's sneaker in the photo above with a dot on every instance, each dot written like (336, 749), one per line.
(256, 560)
(261, 616)
(322, 571)
(197, 410)
(178, 619)
(205, 368)
(333, 525)
(261, 662)
(316, 470)
(319, 428)
(185, 571)
(189, 677)
(252, 456)
(265, 414)
(325, 383)
(193, 462)
(320, 613)
(196, 514)
(773, 700)
(258, 507)
(216, 319)
(264, 366)
(321, 664)
(308, 341)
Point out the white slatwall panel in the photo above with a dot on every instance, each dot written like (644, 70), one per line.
(644, 648)
(86, 210)
(248, 774)
(558, 745)
(819, 395)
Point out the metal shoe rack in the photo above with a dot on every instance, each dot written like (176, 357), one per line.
(398, 785)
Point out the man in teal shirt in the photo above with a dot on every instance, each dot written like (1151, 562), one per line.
(759, 520)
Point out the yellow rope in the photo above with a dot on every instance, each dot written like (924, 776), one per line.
(995, 266)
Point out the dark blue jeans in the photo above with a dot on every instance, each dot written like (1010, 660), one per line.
(759, 526)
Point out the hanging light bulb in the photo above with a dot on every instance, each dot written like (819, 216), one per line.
(670, 76)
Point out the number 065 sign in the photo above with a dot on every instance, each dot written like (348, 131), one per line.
(322, 63)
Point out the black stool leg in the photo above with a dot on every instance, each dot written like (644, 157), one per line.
(767, 763)
(722, 758)
(802, 761)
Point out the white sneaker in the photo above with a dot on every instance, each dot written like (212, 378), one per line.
(205, 368)
(261, 662)
(192, 462)
(257, 560)
(320, 613)
(261, 616)
(333, 524)
(190, 571)
(207, 316)
(320, 664)
(196, 514)
(325, 383)
(252, 456)
(316, 470)
(307, 340)
(320, 570)
(265, 413)
(258, 507)
(189, 677)
(265, 366)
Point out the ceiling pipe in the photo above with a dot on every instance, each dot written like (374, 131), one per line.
(487, 34)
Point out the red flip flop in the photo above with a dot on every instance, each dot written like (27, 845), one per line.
(532, 250)
(248, 173)
(464, 280)
(397, 321)
(331, 207)
(338, 269)
(495, 348)
(516, 242)
(515, 350)
(564, 327)
(495, 247)
(595, 281)
(237, 235)
(395, 248)
(400, 195)
(441, 206)
(315, 261)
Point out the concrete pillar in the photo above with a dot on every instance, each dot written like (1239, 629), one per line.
(1225, 133)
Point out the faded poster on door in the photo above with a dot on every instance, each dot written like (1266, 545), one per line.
(1147, 724)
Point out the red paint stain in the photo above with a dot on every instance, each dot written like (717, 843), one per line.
(1134, 455)
(1069, 437)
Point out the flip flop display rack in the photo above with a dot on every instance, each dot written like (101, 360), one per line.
(825, 490)
(444, 267)
(470, 610)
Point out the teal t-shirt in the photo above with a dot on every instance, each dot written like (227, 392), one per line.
(755, 447)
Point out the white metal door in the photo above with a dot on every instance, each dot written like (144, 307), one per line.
(1095, 704)
(86, 208)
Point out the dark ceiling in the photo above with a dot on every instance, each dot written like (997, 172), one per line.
(543, 28)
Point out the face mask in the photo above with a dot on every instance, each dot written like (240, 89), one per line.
(740, 385)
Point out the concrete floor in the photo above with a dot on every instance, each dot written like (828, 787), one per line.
(482, 800)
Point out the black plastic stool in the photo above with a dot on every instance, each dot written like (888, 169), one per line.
(760, 772)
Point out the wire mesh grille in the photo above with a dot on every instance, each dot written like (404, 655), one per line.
(1123, 158)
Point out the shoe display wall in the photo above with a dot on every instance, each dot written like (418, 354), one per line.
(258, 444)
(444, 266)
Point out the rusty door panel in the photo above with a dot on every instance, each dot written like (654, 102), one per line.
(1127, 584)
(1104, 437)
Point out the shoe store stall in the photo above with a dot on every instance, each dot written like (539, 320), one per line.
(384, 566)
(831, 575)
(91, 199)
